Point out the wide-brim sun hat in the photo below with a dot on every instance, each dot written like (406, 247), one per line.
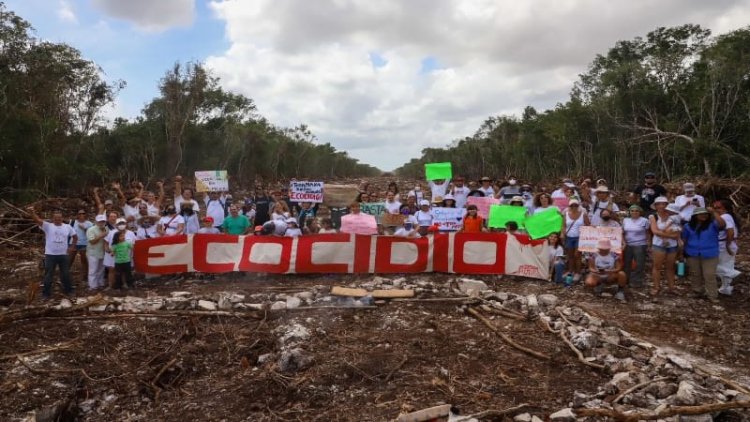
(700, 210)
(602, 189)
(659, 200)
(673, 208)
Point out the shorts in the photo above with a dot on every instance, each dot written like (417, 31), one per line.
(571, 243)
(81, 247)
(664, 249)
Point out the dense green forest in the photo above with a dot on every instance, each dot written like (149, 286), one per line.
(53, 137)
(676, 102)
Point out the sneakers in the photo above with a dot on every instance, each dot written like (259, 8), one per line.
(726, 290)
(620, 295)
(576, 277)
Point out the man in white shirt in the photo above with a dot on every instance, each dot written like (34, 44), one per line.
(438, 187)
(603, 202)
(216, 207)
(59, 240)
(460, 192)
(560, 192)
(689, 201)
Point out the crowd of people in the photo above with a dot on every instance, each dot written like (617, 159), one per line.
(678, 236)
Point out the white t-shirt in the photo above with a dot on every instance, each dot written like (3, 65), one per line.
(636, 231)
(558, 193)
(417, 193)
(573, 227)
(215, 209)
(402, 232)
(688, 211)
(393, 207)
(129, 211)
(730, 224)
(460, 195)
(56, 238)
(438, 189)
(146, 232)
(595, 213)
(209, 230)
(424, 219)
(153, 210)
(293, 232)
(170, 224)
(250, 214)
(327, 231)
(669, 225)
(178, 200)
(487, 191)
(605, 262)
(555, 253)
(282, 217)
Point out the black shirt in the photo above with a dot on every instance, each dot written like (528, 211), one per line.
(262, 204)
(648, 194)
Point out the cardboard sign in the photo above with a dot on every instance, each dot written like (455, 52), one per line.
(483, 204)
(590, 237)
(501, 214)
(438, 171)
(561, 203)
(359, 224)
(306, 191)
(376, 209)
(211, 181)
(392, 220)
(448, 219)
(340, 196)
(342, 253)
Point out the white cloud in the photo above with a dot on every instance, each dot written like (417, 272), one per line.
(66, 13)
(150, 15)
(310, 62)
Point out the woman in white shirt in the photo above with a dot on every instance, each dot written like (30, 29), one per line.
(280, 211)
(424, 217)
(543, 202)
(575, 218)
(664, 244)
(727, 246)
(636, 239)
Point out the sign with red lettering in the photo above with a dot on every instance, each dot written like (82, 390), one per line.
(306, 191)
(466, 253)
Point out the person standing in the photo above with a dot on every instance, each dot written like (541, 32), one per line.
(727, 245)
(637, 237)
(575, 218)
(701, 236)
(486, 186)
(121, 226)
(81, 225)
(95, 252)
(236, 223)
(460, 192)
(688, 202)
(56, 249)
(603, 202)
(665, 230)
(122, 251)
(216, 207)
(649, 191)
(262, 206)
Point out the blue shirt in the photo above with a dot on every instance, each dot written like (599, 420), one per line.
(703, 244)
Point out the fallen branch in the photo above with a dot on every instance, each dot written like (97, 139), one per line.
(64, 346)
(80, 371)
(394, 370)
(159, 314)
(638, 387)
(572, 346)
(670, 411)
(733, 384)
(493, 413)
(157, 389)
(507, 339)
(44, 311)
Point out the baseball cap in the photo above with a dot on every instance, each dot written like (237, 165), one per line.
(291, 220)
(424, 202)
(208, 219)
(688, 187)
(649, 174)
(101, 217)
(108, 202)
(602, 189)
(121, 221)
(517, 199)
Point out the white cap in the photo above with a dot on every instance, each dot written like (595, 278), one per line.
(101, 217)
(121, 221)
(291, 220)
(424, 202)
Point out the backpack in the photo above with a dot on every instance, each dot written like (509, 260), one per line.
(224, 205)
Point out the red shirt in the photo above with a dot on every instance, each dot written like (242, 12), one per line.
(473, 225)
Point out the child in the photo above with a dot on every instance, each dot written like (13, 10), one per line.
(327, 228)
(407, 230)
(208, 226)
(292, 230)
(473, 223)
(121, 250)
(606, 267)
(511, 227)
(556, 258)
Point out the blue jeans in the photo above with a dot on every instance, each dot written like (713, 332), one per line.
(50, 262)
(559, 271)
(637, 253)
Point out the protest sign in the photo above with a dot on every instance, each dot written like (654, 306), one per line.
(461, 253)
(211, 181)
(483, 204)
(448, 219)
(501, 214)
(561, 203)
(376, 209)
(438, 171)
(544, 223)
(392, 220)
(359, 224)
(306, 191)
(591, 235)
(339, 196)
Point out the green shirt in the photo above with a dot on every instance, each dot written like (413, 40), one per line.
(236, 225)
(122, 252)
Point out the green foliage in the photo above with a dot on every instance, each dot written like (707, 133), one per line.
(52, 135)
(676, 102)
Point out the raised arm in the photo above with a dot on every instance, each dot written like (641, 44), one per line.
(32, 212)
(120, 195)
(98, 200)
(160, 199)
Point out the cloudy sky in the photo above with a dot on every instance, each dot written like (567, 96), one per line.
(380, 79)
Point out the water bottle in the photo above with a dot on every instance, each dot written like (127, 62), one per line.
(681, 268)
(568, 280)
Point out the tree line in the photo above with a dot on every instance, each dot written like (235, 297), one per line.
(54, 139)
(676, 102)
